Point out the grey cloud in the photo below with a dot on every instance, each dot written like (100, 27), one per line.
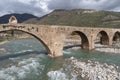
(109, 5)
(29, 6)
(85, 4)
(14, 6)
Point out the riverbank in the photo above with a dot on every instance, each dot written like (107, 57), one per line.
(3, 42)
(3, 50)
(76, 69)
(13, 38)
(73, 45)
(70, 45)
(109, 49)
(91, 70)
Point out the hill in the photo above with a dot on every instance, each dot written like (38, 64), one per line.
(20, 17)
(79, 17)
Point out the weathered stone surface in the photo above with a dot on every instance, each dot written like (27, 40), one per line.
(53, 37)
(13, 20)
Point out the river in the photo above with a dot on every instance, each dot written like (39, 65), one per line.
(26, 59)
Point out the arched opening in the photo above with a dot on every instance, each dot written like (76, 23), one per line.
(24, 54)
(13, 20)
(19, 34)
(102, 38)
(116, 38)
(76, 40)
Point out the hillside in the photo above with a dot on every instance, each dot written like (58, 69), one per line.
(79, 17)
(20, 17)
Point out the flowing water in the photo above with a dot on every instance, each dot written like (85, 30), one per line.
(26, 59)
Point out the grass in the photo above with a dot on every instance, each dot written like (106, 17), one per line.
(79, 18)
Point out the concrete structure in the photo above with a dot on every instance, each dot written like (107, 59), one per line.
(53, 37)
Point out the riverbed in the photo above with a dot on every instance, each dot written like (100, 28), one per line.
(26, 59)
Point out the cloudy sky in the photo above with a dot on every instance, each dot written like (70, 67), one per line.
(42, 7)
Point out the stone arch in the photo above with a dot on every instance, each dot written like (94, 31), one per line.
(35, 36)
(13, 20)
(104, 37)
(116, 36)
(84, 39)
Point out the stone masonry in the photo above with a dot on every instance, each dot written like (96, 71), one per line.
(53, 36)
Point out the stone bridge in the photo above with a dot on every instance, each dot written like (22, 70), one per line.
(53, 37)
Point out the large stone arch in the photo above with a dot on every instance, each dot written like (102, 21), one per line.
(84, 39)
(49, 35)
(104, 37)
(35, 36)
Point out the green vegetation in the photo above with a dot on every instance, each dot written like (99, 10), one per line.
(11, 35)
(80, 17)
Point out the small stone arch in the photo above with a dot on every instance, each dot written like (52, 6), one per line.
(103, 36)
(35, 36)
(84, 39)
(116, 37)
(13, 20)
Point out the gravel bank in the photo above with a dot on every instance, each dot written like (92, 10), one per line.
(76, 69)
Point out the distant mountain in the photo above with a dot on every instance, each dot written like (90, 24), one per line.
(79, 17)
(20, 17)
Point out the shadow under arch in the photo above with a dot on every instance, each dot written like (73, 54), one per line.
(84, 40)
(103, 37)
(43, 43)
(116, 37)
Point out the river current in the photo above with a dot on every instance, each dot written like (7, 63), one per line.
(26, 59)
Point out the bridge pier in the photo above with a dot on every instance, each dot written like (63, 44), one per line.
(110, 41)
(56, 45)
(91, 42)
(56, 49)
